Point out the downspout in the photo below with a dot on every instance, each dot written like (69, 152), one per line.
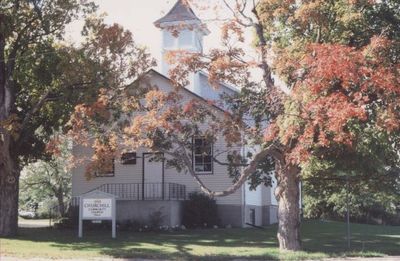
(244, 195)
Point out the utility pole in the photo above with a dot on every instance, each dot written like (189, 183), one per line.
(348, 212)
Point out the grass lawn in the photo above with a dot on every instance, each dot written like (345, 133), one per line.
(320, 239)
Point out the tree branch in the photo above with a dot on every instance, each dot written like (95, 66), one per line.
(229, 164)
(271, 150)
(267, 74)
(237, 18)
(35, 108)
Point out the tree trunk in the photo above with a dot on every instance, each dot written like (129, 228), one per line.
(9, 189)
(60, 199)
(288, 195)
(9, 168)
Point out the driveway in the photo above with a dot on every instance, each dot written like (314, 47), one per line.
(33, 223)
(6, 258)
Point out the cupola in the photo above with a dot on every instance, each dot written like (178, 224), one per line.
(181, 30)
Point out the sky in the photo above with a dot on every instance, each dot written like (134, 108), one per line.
(138, 17)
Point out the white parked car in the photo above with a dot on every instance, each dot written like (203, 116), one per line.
(26, 214)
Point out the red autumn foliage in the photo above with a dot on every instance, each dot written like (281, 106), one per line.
(339, 85)
(53, 146)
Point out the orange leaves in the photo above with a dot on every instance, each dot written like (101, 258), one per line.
(377, 44)
(182, 57)
(339, 86)
(272, 9)
(164, 116)
(311, 11)
(362, 76)
(97, 108)
(53, 146)
(155, 98)
(384, 80)
(114, 37)
(183, 63)
(328, 63)
(230, 27)
(389, 118)
(12, 124)
(271, 132)
(227, 66)
(85, 115)
(188, 107)
(103, 157)
(232, 129)
(221, 66)
(329, 116)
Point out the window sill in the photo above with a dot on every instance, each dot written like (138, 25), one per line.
(205, 173)
(105, 175)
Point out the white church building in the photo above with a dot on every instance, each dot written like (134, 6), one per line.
(143, 186)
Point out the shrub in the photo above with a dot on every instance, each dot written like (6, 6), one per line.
(156, 219)
(129, 225)
(200, 211)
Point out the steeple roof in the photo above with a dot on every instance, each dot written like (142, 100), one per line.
(180, 12)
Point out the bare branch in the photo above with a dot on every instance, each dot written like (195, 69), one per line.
(230, 164)
(271, 150)
(237, 18)
(35, 108)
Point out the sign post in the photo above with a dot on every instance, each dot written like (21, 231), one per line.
(97, 205)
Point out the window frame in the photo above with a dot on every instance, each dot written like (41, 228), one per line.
(129, 161)
(194, 155)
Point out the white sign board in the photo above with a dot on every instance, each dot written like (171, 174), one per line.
(97, 208)
(97, 205)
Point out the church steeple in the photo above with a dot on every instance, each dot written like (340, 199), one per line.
(181, 30)
(180, 12)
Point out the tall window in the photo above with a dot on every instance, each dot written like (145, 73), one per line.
(202, 156)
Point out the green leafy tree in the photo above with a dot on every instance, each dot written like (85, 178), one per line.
(364, 206)
(50, 178)
(42, 78)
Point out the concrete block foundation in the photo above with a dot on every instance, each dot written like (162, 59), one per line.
(140, 211)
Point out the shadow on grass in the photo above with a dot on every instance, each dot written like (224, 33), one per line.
(320, 239)
(210, 244)
(366, 240)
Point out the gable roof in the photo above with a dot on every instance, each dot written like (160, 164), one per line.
(95, 193)
(222, 84)
(181, 11)
(184, 89)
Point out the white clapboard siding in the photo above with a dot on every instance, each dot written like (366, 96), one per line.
(217, 181)
(123, 173)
